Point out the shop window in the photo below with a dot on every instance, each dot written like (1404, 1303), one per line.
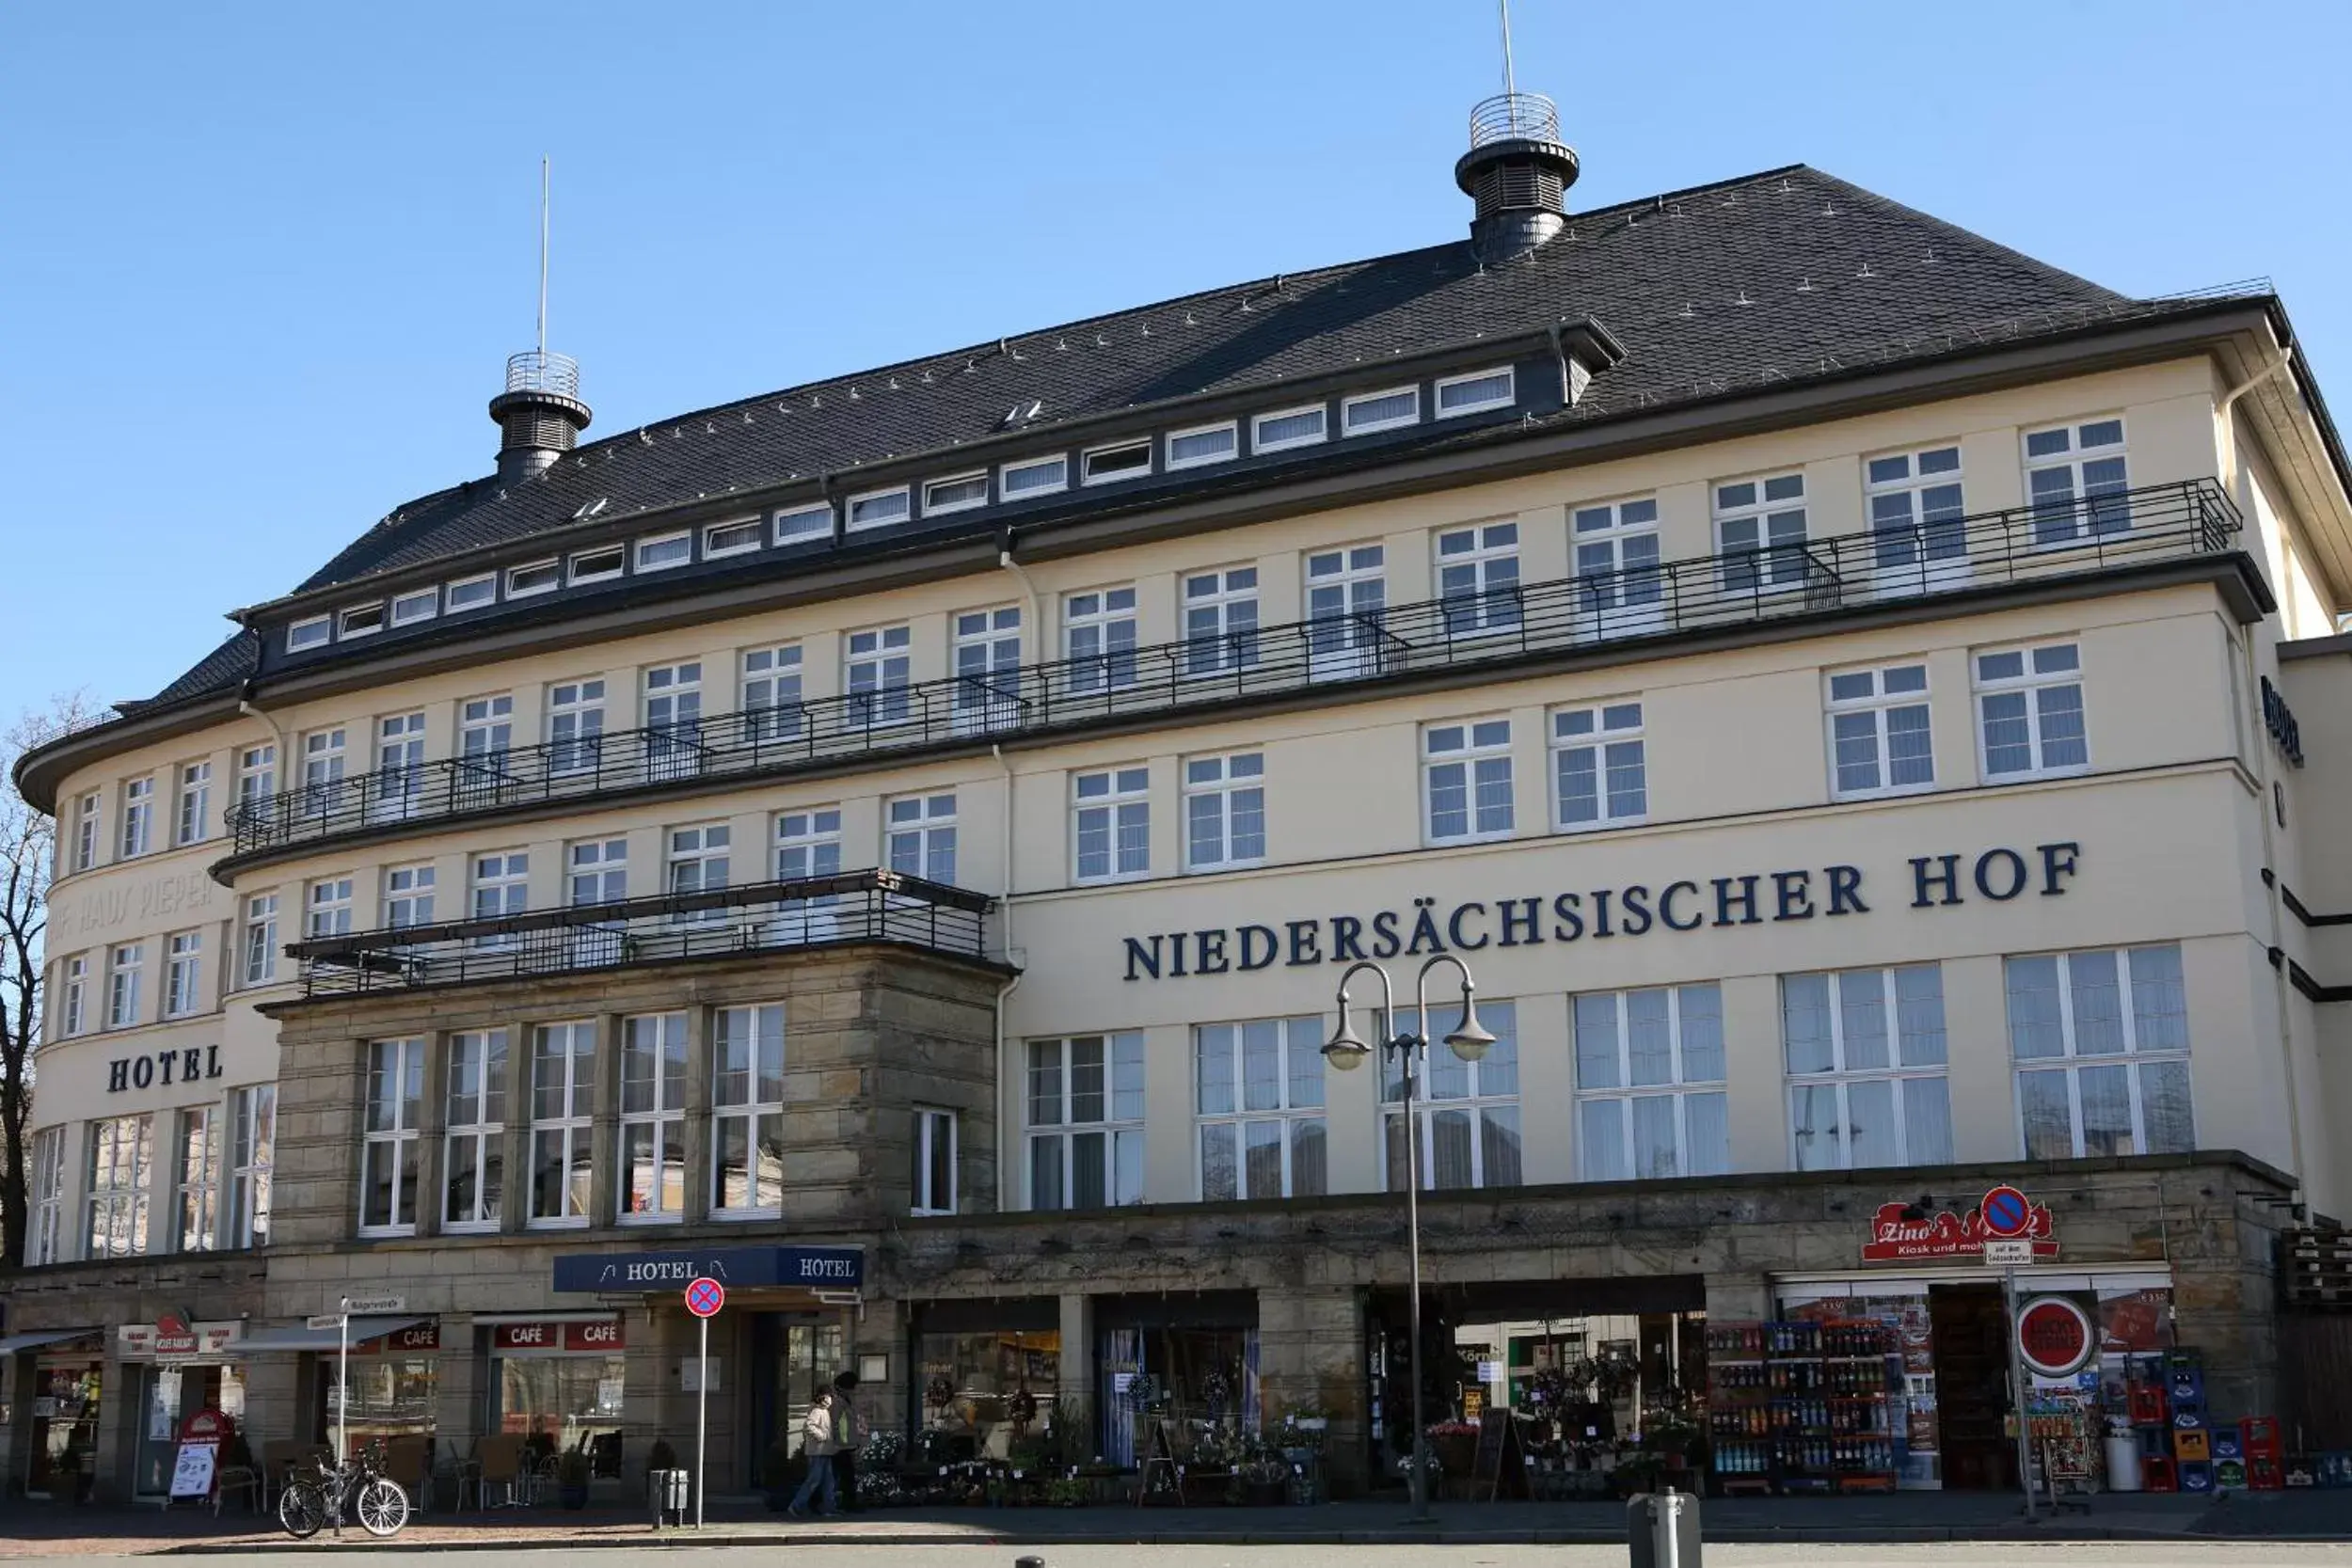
(1478, 580)
(1468, 1110)
(196, 1195)
(813, 1355)
(1649, 1085)
(1086, 1121)
(1866, 1055)
(252, 1151)
(1466, 780)
(395, 1389)
(473, 1161)
(1224, 812)
(2101, 1043)
(931, 1177)
(747, 1112)
(114, 1190)
(563, 1106)
(982, 1390)
(1599, 766)
(922, 836)
(388, 1151)
(653, 1118)
(1259, 1089)
(2029, 710)
(1879, 740)
(44, 1241)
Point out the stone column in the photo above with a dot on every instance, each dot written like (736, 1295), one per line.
(459, 1409)
(1739, 1296)
(514, 1198)
(432, 1141)
(1310, 1350)
(604, 1131)
(698, 1194)
(1076, 1384)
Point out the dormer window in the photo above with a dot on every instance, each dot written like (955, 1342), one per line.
(796, 523)
(880, 508)
(361, 620)
(959, 494)
(1127, 460)
(1214, 443)
(472, 593)
(537, 577)
(1476, 392)
(1362, 416)
(423, 605)
(312, 633)
(1289, 427)
(597, 565)
(731, 538)
(670, 549)
(1040, 475)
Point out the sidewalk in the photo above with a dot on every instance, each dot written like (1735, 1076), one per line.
(36, 1529)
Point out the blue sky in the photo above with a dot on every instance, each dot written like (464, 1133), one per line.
(260, 264)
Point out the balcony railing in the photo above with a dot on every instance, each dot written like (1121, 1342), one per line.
(734, 922)
(1491, 625)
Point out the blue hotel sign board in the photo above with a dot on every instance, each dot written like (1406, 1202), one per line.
(739, 1268)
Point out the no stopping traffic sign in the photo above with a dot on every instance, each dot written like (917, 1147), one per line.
(704, 1297)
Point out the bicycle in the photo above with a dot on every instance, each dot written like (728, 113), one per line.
(312, 1502)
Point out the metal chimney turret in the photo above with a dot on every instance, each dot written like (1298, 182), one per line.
(540, 414)
(1517, 170)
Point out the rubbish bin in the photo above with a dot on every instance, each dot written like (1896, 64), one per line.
(2123, 1469)
(1644, 1516)
(670, 1493)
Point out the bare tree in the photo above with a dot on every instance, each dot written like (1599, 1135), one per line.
(27, 854)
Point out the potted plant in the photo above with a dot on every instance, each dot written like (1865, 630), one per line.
(1265, 1479)
(571, 1478)
(778, 1475)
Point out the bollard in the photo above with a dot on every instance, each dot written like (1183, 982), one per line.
(1028, 1562)
(1664, 1530)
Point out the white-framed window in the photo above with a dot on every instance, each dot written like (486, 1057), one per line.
(45, 1241)
(1879, 740)
(533, 577)
(196, 1187)
(139, 816)
(388, 1140)
(1203, 444)
(1369, 411)
(1864, 1050)
(473, 1157)
(1465, 780)
(252, 1154)
(115, 1187)
(1347, 603)
(260, 939)
(1086, 1121)
(183, 973)
(1651, 1098)
(1110, 824)
(2100, 1042)
(86, 832)
(122, 984)
(194, 817)
(1760, 529)
(1468, 1110)
(74, 1010)
(1035, 476)
(499, 884)
(772, 693)
(877, 667)
(361, 620)
(310, 632)
(1290, 427)
(1477, 392)
(747, 1112)
(808, 844)
(796, 524)
(575, 726)
(598, 871)
(257, 779)
(735, 538)
(921, 835)
(1224, 812)
(602, 564)
(1600, 767)
(653, 1119)
(697, 861)
(1121, 460)
(322, 761)
(485, 734)
(958, 493)
(471, 593)
(2077, 478)
(563, 1125)
(327, 908)
(1917, 513)
(408, 894)
(1478, 578)
(673, 719)
(1221, 621)
(1619, 583)
(1258, 1092)
(422, 603)
(2030, 712)
(986, 657)
(1099, 637)
(399, 765)
(931, 1162)
(665, 551)
(880, 508)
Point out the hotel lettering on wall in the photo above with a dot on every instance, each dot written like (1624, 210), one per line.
(1637, 909)
(197, 1062)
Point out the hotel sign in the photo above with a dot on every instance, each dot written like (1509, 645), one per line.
(808, 1268)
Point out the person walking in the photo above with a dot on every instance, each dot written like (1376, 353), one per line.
(818, 1446)
(849, 1435)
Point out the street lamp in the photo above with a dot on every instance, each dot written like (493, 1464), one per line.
(1346, 1051)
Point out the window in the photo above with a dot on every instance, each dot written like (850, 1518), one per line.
(1347, 599)
(327, 908)
(2077, 482)
(473, 1161)
(1099, 632)
(987, 655)
(1203, 444)
(1600, 772)
(194, 813)
(599, 871)
(399, 766)
(1127, 460)
(364, 620)
(959, 494)
(747, 1111)
(1362, 416)
(1112, 824)
(1468, 1110)
(2101, 1040)
(772, 693)
(196, 1195)
(46, 1244)
(878, 671)
(114, 1193)
(537, 577)
(260, 939)
(1465, 774)
(423, 605)
(1916, 514)
(1258, 1088)
(673, 719)
(697, 861)
(1478, 578)
(1221, 621)
(387, 1145)
(309, 633)
(796, 523)
(1878, 743)
(138, 818)
(1476, 392)
(1086, 1121)
(1290, 427)
(731, 538)
(600, 564)
(256, 780)
(575, 726)
(485, 733)
(1864, 1050)
(500, 885)
(408, 895)
(670, 549)
(922, 836)
(86, 832)
(563, 1108)
(653, 1118)
(808, 844)
(1619, 583)
(472, 593)
(880, 508)
(123, 984)
(1649, 1085)
(74, 1010)
(183, 973)
(322, 771)
(253, 1139)
(2029, 708)
(1040, 475)
(1759, 527)
(931, 1173)
(1224, 812)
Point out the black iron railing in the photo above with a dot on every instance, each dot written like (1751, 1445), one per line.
(1492, 626)
(761, 917)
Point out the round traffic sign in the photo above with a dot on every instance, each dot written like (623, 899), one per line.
(2007, 1212)
(2055, 1335)
(704, 1297)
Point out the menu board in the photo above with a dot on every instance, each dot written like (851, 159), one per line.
(192, 1470)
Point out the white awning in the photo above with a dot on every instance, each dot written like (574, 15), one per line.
(34, 1340)
(296, 1336)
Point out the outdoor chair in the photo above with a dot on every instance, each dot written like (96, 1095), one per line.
(499, 1460)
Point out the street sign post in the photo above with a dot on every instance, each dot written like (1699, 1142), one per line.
(704, 1298)
(2007, 1215)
